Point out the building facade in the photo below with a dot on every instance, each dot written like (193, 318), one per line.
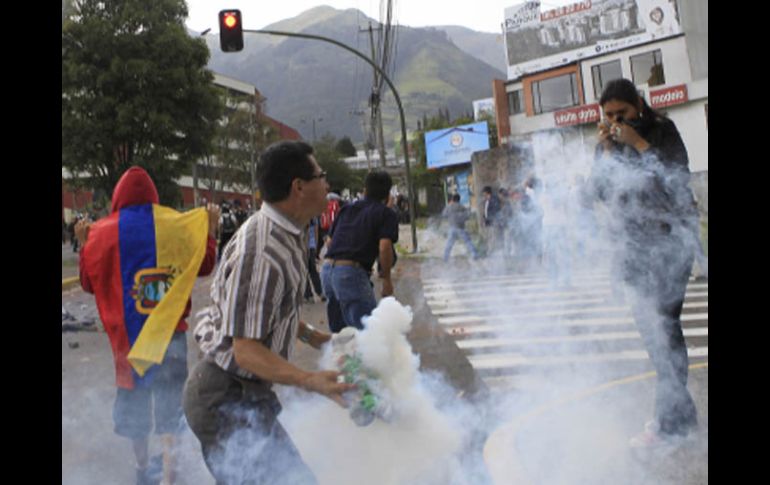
(658, 44)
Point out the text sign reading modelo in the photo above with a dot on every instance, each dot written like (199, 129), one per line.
(668, 96)
(577, 116)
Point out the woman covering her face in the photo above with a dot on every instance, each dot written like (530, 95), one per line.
(641, 172)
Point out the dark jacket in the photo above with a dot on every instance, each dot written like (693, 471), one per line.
(648, 193)
(492, 211)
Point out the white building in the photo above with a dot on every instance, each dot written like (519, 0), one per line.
(364, 161)
(666, 57)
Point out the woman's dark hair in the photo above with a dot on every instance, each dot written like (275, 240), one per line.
(279, 165)
(625, 90)
(378, 184)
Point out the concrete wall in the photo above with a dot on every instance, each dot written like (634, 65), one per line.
(694, 17)
(504, 166)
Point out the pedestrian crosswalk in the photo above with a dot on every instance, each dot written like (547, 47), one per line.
(513, 327)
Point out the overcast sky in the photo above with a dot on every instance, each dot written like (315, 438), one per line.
(481, 15)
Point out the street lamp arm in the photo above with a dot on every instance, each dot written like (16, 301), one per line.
(412, 198)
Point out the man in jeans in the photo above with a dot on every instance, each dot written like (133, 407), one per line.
(456, 214)
(361, 232)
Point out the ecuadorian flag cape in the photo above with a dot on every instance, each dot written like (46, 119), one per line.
(142, 262)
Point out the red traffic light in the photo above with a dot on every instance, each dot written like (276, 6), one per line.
(230, 31)
(230, 20)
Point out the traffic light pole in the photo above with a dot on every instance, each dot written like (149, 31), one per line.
(412, 196)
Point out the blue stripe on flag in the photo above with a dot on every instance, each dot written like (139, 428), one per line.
(136, 233)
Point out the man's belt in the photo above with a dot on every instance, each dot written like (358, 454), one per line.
(343, 262)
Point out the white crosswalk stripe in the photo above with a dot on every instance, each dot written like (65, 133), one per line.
(508, 323)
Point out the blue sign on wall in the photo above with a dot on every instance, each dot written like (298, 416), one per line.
(452, 146)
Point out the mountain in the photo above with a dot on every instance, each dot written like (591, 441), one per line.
(487, 47)
(309, 79)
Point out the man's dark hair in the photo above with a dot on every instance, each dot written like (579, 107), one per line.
(487, 190)
(456, 197)
(378, 184)
(279, 165)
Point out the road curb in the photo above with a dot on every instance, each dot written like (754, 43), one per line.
(68, 283)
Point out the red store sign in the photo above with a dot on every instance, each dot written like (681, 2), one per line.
(581, 115)
(668, 96)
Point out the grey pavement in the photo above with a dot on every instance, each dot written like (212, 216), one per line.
(69, 261)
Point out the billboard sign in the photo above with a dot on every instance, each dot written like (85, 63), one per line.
(536, 41)
(455, 145)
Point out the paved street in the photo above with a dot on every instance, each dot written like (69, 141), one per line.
(530, 357)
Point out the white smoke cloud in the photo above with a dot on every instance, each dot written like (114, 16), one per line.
(421, 433)
(581, 240)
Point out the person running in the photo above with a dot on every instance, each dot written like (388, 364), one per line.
(456, 215)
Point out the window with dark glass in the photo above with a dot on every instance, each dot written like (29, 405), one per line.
(515, 102)
(604, 73)
(648, 68)
(555, 93)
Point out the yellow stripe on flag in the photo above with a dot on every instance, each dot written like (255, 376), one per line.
(180, 239)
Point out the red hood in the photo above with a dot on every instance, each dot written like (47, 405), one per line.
(134, 187)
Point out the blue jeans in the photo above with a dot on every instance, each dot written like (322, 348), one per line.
(454, 233)
(349, 293)
(134, 409)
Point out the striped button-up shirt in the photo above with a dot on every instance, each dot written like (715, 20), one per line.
(257, 290)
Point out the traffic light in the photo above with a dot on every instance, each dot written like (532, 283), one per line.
(230, 31)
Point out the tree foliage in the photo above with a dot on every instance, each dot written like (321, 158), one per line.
(338, 174)
(345, 147)
(240, 135)
(135, 91)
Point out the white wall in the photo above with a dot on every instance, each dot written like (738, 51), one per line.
(676, 66)
(690, 119)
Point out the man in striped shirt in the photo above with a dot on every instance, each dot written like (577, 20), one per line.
(248, 332)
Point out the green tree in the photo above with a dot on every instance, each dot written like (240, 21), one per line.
(240, 135)
(346, 148)
(228, 163)
(135, 91)
(338, 173)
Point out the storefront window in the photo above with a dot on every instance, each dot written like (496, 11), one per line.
(647, 69)
(515, 102)
(555, 93)
(604, 73)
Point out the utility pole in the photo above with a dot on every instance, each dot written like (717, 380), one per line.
(365, 130)
(396, 97)
(374, 100)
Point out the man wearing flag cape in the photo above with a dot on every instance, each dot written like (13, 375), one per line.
(140, 262)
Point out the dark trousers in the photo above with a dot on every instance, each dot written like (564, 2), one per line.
(236, 422)
(224, 238)
(314, 279)
(657, 274)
